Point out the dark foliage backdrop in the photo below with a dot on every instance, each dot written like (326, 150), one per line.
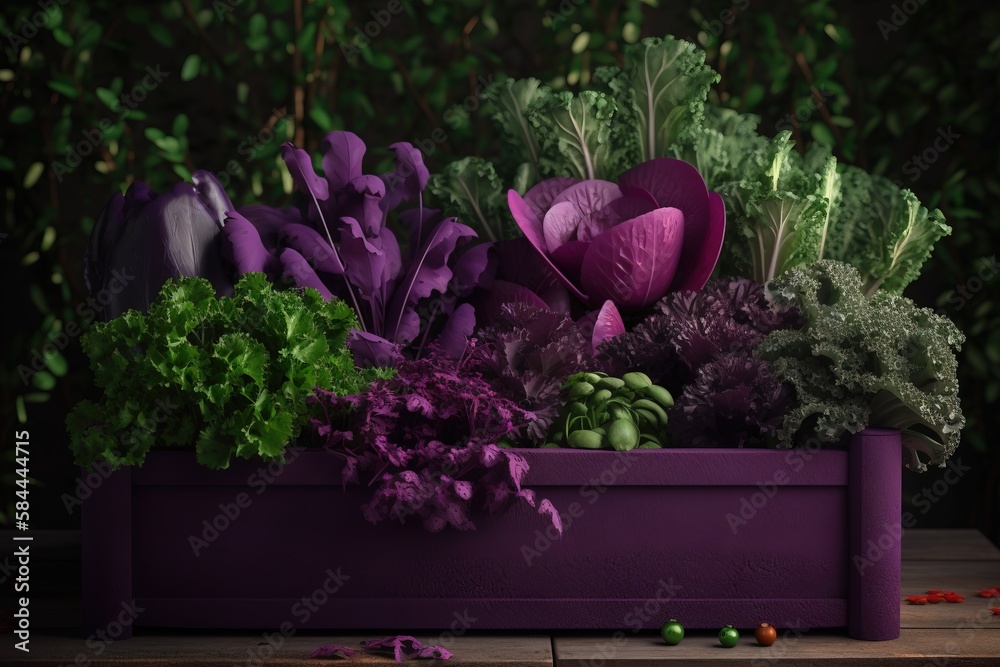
(97, 93)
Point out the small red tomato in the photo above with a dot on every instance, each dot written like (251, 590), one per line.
(934, 599)
(765, 634)
(917, 599)
(953, 597)
(987, 593)
(995, 610)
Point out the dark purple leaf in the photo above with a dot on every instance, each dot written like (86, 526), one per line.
(270, 222)
(409, 178)
(429, 273)
(332, 651)
(490, 305)
(695, 269)
(297, 271)
(454, 338)
(300, 167)
(365, 264)
(343, 153)
(361, 199)
(371, 350)
(241, 246)
(310, 244)
(476, 267)
(569, 258)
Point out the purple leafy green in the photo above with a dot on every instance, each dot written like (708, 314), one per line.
(428, 442)
(701, 347)
(527, 354)
(658, 229)
(340, 242)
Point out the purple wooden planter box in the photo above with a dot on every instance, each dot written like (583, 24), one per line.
(706, 536)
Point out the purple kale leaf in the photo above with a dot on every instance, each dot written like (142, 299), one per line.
(701, 347)
(428, 441)
(405, 647)
(332, 651)
(735, 400)
(527, 354)
(690, 329)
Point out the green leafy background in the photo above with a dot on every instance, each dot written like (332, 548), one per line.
(875, 84)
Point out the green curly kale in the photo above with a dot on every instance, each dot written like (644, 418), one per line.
(229, 375)
(863, 361)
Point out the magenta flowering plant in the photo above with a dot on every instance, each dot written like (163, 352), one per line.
(659, 229)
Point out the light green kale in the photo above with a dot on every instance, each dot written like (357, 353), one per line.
(725, 148)
(476, 194)
(882, 230)
(782, 212)
(861, 361)
(574, 133)
(661, 90)
(510, 103)
(230, 376)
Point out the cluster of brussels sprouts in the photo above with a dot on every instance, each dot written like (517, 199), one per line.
(603, 412)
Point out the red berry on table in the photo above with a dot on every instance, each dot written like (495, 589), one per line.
(765, 634)
(953, 597)
(917, 599)
(934, 599)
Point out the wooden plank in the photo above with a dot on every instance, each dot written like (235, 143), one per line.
(948, 544)
(973, 647)
(251, 651)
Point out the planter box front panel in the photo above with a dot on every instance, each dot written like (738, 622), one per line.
(649, 534)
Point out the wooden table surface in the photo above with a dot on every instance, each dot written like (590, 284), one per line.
(938, 635)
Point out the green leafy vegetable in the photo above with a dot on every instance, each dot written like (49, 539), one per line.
(663, 87)
(782, 213)
(229, 375)
(575, 133)
(882, 230)
(862, 361)
(471, 185)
